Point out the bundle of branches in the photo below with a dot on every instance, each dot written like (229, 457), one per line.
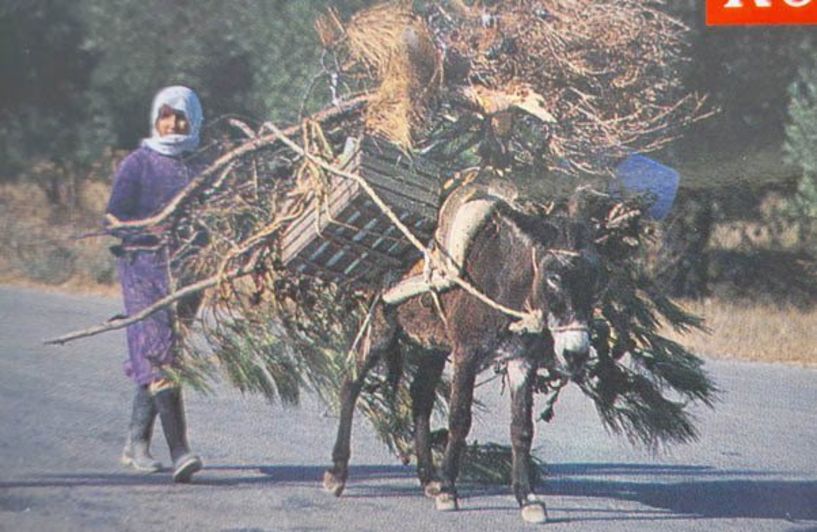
(593, 80)
(641, 382)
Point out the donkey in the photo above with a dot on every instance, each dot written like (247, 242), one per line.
(544, 264)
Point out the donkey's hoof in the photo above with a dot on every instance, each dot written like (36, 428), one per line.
(535, 513)
(446, 502)
(333, 484)
(432, 489)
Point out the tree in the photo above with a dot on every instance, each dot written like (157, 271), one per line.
(43, 74)
(732, 160)
(78, 78)
(801, 143)
(246, 57)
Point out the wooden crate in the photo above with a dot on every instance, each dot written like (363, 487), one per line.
(352, 240)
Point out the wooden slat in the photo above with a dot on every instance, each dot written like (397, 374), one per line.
(386, 150)
(400, 201)
(338, 200)
(428, 189)
(423, 174)
(378, 176)
(401, 172)
(373, 233)
(358, 243)
(373, 249)
(422, 231)
(315, 267)
(302, 231)
(424, 188)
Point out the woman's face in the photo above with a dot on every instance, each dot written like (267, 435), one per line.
(171, 122)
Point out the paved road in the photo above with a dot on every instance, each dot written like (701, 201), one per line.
(63, 411)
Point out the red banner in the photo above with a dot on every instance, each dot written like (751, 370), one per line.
(760, 12)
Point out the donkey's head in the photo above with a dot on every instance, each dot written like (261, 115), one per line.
(569, 276)
(566, 282)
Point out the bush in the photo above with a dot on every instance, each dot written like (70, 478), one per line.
(39, 256)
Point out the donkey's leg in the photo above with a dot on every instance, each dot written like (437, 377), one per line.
(459, 424)
(422, 403)
(521, 372)
(334, 479)
(381, 337)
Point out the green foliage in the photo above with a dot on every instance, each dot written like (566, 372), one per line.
(248, 57)
(745, 72)
(272, 347)
(275, 373)
(640, 381)
(492, 463)
(801, 140)
(43, 77)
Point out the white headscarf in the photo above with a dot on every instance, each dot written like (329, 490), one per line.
(179, 99)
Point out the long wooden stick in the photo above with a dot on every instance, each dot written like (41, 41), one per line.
(166, 301)
(325, 115)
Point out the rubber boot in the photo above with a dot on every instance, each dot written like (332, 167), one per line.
(171, 412)
(137, 449)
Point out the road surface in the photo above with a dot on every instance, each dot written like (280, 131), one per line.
(64, 410)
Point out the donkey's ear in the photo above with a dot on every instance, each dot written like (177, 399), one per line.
(589, 203)
(575, 204)
(622, 222)
(580, 203)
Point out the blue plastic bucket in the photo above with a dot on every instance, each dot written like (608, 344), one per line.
(639, 175)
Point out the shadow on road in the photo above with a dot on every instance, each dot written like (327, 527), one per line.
(215, 475)
(690, 490)
(674, 491)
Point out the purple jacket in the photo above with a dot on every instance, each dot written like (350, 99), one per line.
(145, 183)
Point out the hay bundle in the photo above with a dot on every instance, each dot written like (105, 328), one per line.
(601, 76)
(394, 48)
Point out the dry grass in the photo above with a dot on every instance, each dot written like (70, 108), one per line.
(769, 229)
(38, 244)
(397, 48)
(762, 333)
(607, 72)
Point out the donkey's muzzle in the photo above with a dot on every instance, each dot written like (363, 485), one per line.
(572, 347)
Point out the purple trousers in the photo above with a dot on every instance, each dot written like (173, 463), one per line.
(151, 342)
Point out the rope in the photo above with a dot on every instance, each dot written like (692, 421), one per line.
(363, 329)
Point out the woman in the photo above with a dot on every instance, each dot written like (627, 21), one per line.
(145, 182)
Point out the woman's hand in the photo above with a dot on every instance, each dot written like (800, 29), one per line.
(157, 230)
(110, 220)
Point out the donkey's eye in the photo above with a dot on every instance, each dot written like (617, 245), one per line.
(554, 281)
